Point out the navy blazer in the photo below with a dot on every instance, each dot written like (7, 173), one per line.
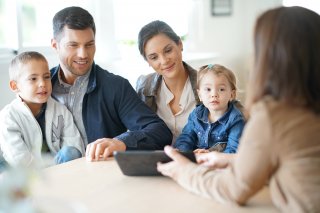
(112, 109)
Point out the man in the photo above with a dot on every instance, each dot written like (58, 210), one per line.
(106, 109)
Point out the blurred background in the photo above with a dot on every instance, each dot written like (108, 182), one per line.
(213, 31)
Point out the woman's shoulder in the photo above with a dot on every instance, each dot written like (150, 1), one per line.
(147, 79)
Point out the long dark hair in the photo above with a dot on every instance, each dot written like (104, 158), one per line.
(287, 64)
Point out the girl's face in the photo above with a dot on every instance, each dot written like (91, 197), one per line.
(215, 92)
(164, 56)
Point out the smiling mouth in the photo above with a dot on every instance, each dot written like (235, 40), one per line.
(81, 62)
(168, 68)
(42, 93)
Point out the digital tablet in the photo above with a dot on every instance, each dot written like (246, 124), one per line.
(144, 163)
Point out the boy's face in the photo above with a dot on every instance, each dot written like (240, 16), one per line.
(33, 84)
(215, 92)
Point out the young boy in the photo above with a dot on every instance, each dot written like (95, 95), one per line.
(34, 124)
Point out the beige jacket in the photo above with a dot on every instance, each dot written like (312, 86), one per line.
(280, 144)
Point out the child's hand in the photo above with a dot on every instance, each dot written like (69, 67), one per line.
(215, 160)
(198, 151)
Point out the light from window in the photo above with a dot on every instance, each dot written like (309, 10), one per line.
(8, 23)
(130, 16)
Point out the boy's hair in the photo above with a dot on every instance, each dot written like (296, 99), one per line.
(287, 65)
(75, 18)
(152, 29)
(21, 59)
(217, 70)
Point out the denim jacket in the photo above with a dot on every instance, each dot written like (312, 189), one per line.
(112, 109)
(148, 85)
(222, 135)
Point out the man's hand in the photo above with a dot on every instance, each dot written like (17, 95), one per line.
(103, 148)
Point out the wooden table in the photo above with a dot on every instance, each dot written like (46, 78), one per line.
(83, 187)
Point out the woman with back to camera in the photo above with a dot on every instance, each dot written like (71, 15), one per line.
(280, 143)
(171, 91)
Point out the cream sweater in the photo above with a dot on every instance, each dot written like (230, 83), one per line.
(21, 136)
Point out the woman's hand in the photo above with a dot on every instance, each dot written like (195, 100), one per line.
(199, 151)
(215, 160)
(171, 169)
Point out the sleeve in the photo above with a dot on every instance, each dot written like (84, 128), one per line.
(145, 129)
(187, 140)
(15, 150)
(249, 172)
(234, 135)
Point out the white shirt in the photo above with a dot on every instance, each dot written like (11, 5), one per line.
(187, 103)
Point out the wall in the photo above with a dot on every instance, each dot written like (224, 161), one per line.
(230, 36)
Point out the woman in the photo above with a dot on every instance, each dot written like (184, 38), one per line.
(171, 92)
(280, 143)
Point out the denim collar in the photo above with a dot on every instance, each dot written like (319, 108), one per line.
(202, 113)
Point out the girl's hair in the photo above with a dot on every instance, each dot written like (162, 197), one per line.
(21, 59)
(221, 70)
(217, 70)
(287, 65)
(152, 29)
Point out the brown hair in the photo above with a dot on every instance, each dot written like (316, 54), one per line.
(287, 65)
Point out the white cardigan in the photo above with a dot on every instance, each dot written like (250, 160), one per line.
(21, 136)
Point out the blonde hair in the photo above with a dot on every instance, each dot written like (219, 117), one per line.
(21, 59)
(217, 70)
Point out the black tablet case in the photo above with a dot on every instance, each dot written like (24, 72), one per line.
(144, 163)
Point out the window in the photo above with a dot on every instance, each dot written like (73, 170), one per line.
(28, 23)
(130, 16)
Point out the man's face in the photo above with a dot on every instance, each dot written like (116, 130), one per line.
(75, 49)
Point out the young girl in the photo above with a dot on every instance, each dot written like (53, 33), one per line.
(280, 143)
(217, 124)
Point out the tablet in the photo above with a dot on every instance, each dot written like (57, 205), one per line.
(144, 163)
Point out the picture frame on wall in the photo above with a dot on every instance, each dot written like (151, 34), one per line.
(221, 7)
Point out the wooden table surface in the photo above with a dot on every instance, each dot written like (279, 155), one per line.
(84, 187)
